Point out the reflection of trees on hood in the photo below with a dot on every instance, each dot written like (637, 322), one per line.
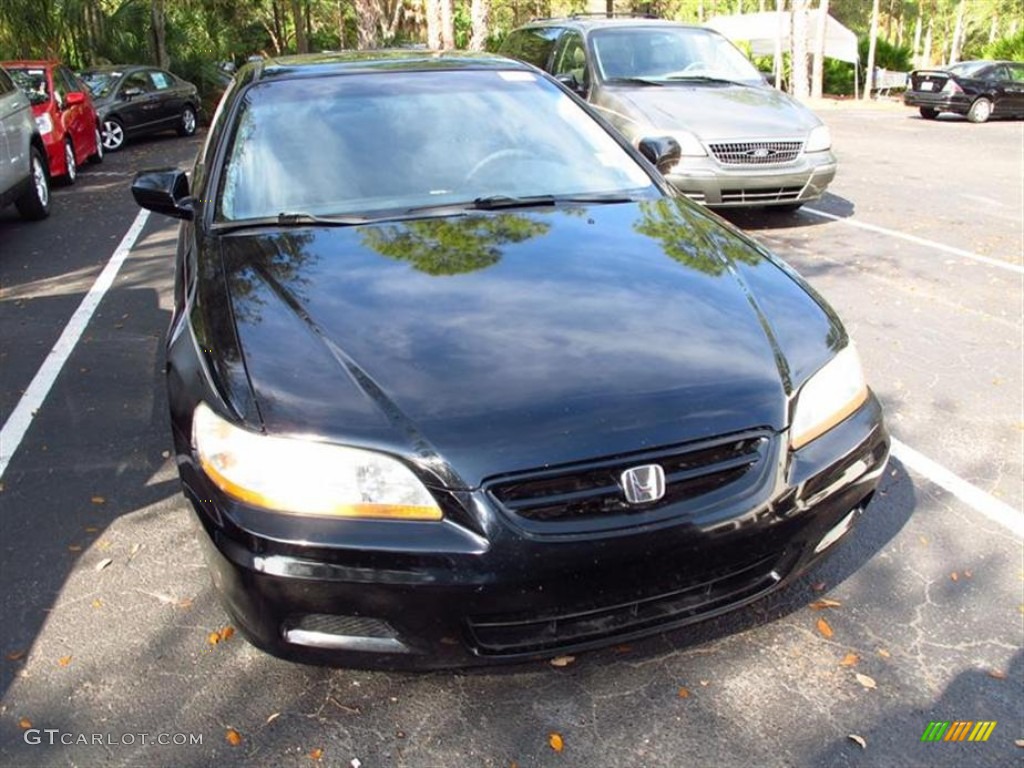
(452, 246)
(691, 238)
(278, 262)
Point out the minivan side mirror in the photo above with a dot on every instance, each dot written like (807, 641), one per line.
(164, 191)
(569, 80)
(663, 151)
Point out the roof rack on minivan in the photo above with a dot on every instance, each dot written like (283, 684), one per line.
(600, 15)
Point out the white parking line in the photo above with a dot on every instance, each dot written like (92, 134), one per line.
(919, 240)
(20, 420)
(995, 510)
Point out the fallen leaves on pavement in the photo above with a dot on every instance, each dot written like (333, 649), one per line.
(825, 629)
(820, 605)
(15, 655)
(24, 723)
(316, 754)
(98, 500)
(997, 674)
(859, 739)
(233, 737)
(220, 636)
(562, 661)
(867, 682)
(103, 563)
(555, 741)
(64, 660)
(849, 660)
(683, 693)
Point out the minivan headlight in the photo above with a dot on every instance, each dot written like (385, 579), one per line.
(829, 396)
(688, 143)
(819, 139)
(305, 477)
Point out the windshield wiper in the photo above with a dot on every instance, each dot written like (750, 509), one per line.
(291, 220)
(496, 202)
(635, 80)
(706, 79)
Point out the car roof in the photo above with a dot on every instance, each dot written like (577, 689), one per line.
(35, 63)
(381, 60)
(116, 69)
(589, 23)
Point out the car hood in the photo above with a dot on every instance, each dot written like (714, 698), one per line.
(505, 341)
(715, 111)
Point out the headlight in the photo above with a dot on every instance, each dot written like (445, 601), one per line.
(304, 477)
(689, 143)
(819, 139)
(828, 397)
(44, 123)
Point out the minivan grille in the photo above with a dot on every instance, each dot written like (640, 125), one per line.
(756, 152)
(593, 491)
(517, 634)
(770, 195)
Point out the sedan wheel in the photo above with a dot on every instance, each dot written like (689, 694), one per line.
(928, 113)
(981, 111)
(112, 135)
(188, 123)
(70, 167)
(35, 201)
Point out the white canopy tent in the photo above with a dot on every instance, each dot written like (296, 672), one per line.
(770, 33)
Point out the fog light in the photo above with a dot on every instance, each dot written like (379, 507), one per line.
(836, 533)
(344, 633)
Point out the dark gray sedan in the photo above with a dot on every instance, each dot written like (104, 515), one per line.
(743, 142)
(136, 100)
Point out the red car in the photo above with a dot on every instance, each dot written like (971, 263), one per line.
(64, 114)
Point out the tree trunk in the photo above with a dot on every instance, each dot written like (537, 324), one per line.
(818, 75)
(160, 34)
(799, 86)
(480, 14)
(869, 75)
(993, 31)
(958, 32)
(700, 11)
(917, 43)
(367, 24)
(433, 11)
(447, 25)
(341, 25)
(779, 34)
(609, 8)
(926, 56)
(301, 41)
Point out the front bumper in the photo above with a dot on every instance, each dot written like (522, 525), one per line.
(705, 180)
(959, 103)
(426, 595)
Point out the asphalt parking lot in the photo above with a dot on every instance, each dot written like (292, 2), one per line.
(109, 621)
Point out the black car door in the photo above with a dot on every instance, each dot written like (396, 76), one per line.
(137, 102)
(1015, 89)
(996, 79)
(167, 95)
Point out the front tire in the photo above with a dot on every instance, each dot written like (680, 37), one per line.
(70, 166)
(34, 203)
(97, 157)
(981, 111)
(188, 122)
(112, 134)
(928, 113)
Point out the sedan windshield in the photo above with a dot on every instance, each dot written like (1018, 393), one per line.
(100, 83)
(669, 53)
(397, 142)
(33, 83)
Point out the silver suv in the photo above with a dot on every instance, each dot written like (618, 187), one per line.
(24, 179)
(743, 142)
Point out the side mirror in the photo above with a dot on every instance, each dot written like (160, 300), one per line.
(130, 93)
(569, 81)
(164, 191)
(663, 151)
(73, 98)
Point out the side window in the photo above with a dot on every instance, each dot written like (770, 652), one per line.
(136, 82)
(1017, 73)
(60, 90)
(161, 80)
(533, 45)
(6, 84)
(68, 80)
(572, 59)
(997, 73)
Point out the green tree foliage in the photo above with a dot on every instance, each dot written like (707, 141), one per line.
(1010, 48)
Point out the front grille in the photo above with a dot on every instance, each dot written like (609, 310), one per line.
(769, 195)
(756, 152)
(354, 626)
(591, 493)
(513, 635)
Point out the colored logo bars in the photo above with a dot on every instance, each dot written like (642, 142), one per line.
(958, 730)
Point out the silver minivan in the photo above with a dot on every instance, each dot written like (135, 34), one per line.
(743, 142)
(24, 178)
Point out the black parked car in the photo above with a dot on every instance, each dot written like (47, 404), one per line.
(137, 100)
(978, 89)
(455, 377)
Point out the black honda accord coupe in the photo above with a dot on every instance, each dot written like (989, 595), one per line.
(456, 378)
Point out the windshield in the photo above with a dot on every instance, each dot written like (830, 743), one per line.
(100, 83)
(33, 83)
(669, 53)
(391, 141)
(969, 68)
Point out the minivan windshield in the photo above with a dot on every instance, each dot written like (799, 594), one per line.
(666, 53)
(394, 141)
